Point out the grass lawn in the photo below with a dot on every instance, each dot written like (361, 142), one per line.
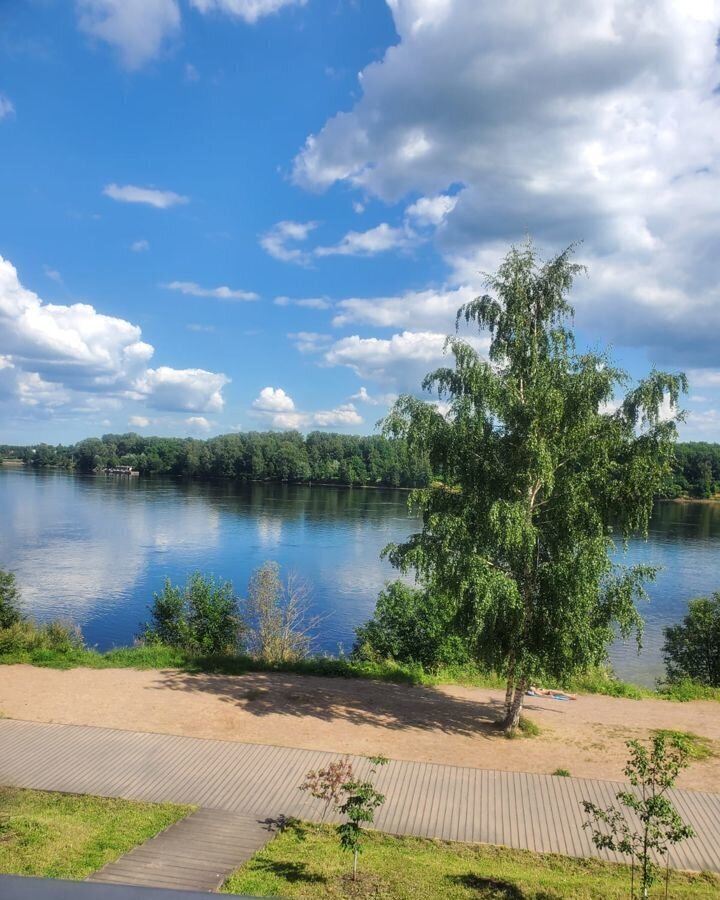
(305, 861)
(69, 836)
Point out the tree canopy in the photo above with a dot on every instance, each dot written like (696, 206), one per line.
(692, 648)
(539, 466)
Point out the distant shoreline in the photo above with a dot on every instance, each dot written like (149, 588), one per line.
(17, 464)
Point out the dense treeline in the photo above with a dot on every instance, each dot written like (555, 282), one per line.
(697, 470)
(318, 457)
(280, 456)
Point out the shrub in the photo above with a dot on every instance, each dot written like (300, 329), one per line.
(413, 627)
(26, 636)
(279, 617)
(201, 618)
(692, 648)
(9, 600)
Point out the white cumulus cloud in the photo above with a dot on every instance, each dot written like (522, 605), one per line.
(183, 390)
(137, 29)
(139, 421)
(273, 399)
(74, 357)
(140, 246)
(130, 193)
(279, 241)
(594, 122)
(198, 423)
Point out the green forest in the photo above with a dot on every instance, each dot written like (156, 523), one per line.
(316, 457)
(276, 456)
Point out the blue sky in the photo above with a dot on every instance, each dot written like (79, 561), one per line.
(223, 214)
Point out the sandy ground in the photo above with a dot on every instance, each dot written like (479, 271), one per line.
(445, 725)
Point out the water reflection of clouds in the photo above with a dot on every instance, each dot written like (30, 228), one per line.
(73, 564)
(269, 530)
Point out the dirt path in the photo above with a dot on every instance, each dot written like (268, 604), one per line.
(446, 725)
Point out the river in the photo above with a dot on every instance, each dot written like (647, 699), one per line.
(94, 549)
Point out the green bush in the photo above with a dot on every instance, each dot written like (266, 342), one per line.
(9, 600)
(27, 636)
(692, 649)
(201, 618)
(412, 627)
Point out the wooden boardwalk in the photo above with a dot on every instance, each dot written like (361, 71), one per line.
(197, 853)
(536, 812)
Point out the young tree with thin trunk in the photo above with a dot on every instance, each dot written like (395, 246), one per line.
(540, 466)
(652, 772)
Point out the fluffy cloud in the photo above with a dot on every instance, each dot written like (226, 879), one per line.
(429, 309)
(431, 211)
(141, 246)
(593, 122)
(218, 293)
(249, 10)
(400, 361)
(362, 396)
(6, 106)
(198, 423)
(368, 243)
(278, 409)
(137, 29)
(139, 421)
(75, 358)
(273, 400)
(182, 390)
(279, 240)
(73, 344)
(130, 193)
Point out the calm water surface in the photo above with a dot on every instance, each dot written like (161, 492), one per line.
(94, 549)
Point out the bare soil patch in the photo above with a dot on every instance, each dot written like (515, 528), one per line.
(448, 724)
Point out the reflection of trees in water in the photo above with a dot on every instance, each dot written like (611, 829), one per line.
(292, 502)
(686, 521)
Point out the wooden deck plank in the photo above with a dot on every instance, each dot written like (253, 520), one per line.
(198, 852)
(261, 782)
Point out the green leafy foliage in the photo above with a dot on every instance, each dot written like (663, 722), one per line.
(278, 615)
(278, 456)
(357, 800)
(9, 599)
(652, 772)
(202, 617)
(692, 648)
(411, 626)
(536, 477)
(361, 802)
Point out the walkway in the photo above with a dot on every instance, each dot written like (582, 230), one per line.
(197, 853)
(537, 812)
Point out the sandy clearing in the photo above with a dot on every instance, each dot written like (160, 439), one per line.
(446, 725)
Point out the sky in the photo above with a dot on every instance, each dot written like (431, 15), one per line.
(223, 215)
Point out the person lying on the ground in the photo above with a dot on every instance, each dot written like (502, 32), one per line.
(544, 692)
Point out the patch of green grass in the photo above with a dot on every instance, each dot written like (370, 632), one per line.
(562, 773)
(526, 729)
(686, 689)
(698, 747)
(305, 861)
(52, 835)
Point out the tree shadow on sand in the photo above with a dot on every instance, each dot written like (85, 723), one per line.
(335, 699)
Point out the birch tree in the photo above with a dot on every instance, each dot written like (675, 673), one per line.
(544, 457)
